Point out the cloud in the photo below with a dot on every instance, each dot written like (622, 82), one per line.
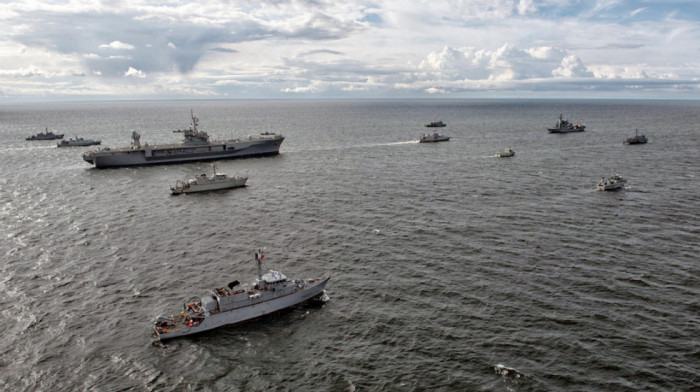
(117, 45)
(343, 49)
(505, 63)
(223, 50)
(637, 11)
(182, 35)
(133, 72)
(571, 66)
(28, 72)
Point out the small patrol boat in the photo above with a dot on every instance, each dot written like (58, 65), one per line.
(203, 183)
(78, 142)
(637, 139)
(564, 126)
(612, 183)
(46, 135)
(508, 152)
(436, 124)
(433, 137)
(236, 302)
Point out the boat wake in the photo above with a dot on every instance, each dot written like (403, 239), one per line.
(335, 148)
(28, 148)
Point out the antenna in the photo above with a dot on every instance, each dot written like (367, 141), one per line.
(258, 258)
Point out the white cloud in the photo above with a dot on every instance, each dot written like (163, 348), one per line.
(505, 63)
(637, 11)
(31, 71)
(117, 45)
(133, 72)
(572, 66)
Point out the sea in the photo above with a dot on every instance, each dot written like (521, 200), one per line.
(451, 269)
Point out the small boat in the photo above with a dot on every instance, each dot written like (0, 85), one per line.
(637, 139)
(436, 124)
(78, 142)
(564, 126)
(433, 137)
(612, 183)
(203, 183)
(46, 135)
(237, 302)
(506, 153)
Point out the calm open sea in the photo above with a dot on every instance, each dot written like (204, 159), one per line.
(452, 270)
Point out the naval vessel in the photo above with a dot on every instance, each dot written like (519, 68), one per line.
(204, 183)
(612, 183)
(46, 135)
(433, 137)
(195, 146)
(637, 139)
(78, 142)
(564, 126)
(237, 302)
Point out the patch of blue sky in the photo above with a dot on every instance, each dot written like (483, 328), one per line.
(372, 19)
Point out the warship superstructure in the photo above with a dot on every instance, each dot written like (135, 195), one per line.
(236, 302)
(195, 146)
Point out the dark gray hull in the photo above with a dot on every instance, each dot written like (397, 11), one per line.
(566, 130)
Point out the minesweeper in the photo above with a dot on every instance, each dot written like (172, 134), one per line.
(195, 146)
(235, 303)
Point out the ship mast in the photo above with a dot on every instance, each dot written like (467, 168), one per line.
(258, 257)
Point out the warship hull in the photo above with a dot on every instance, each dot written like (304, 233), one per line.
(566, 130)
(213, 186)
(78, 143)
(182, 153)
(255, 308)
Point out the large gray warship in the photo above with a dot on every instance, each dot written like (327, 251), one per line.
(235, 303)
(195, 146)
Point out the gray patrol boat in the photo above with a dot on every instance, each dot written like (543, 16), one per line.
(270, 292)
(195, 146)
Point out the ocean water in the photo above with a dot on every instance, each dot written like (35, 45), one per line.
(452, 270)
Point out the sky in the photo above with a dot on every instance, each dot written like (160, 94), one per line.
(276, 49)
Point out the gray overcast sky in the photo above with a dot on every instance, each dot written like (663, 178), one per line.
(138, 49)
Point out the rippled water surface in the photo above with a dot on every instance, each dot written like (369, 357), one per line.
(452, 270)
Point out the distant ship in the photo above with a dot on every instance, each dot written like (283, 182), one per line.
(433, 137)
(46, 135)
(612, 183)
(78, 142)
(436, 124)
(508, 152)
(564, 126)
(235, 303)
(195, 146)
(637, 139)
(203, 183)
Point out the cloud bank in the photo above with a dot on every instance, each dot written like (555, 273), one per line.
(383, 48)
